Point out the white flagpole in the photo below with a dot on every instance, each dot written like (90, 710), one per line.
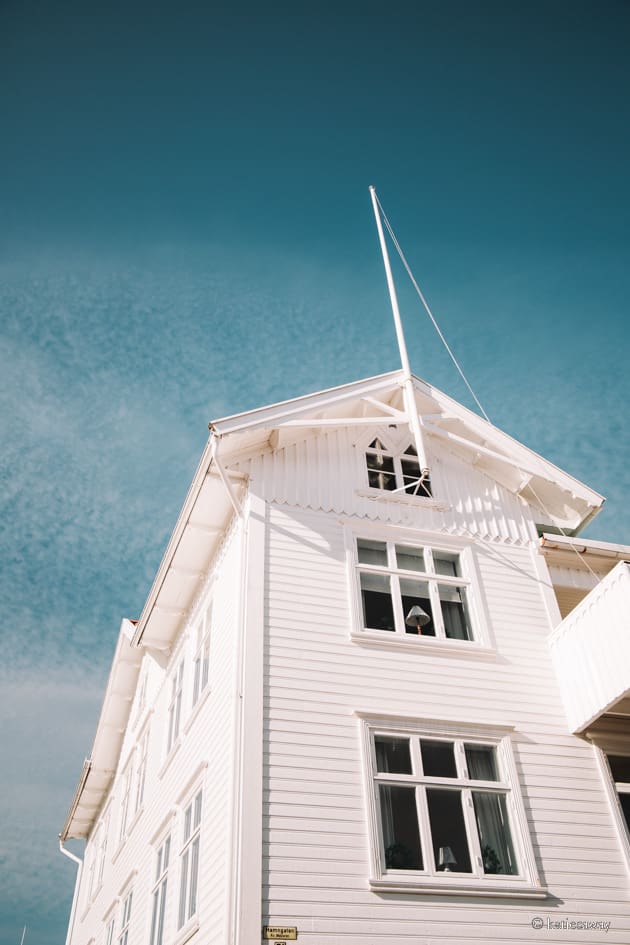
(408, 391)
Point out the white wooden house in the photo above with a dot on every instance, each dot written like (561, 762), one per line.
(362, 707)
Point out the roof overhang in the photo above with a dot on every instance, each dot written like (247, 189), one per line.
(99, 769)
(558, 500)
(204, 518)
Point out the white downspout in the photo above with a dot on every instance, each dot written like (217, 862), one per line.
(75, 897)
(408, 390)
(234, 848)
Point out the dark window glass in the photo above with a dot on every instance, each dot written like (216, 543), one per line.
(412, 480)
(416, 594)
(620, 767)
(409, 558)
(438, 759)
(372, 552)
(456, 625)
(448, 831)
(381, 473)
(399, 818)
(392, 755)
(446, 563)
(481, 761)
(376, 598)
(497, 851)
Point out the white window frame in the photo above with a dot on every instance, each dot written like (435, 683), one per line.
(104, 836)
(109, 931)
(159, 891)
(396, 454)
(481, 642)
(127, 777)
(603, 747)
(142, 694)
(174, 714)
(92, 873)
(430, 880)
(201, 658)
(189, 859)
(141, 770)
(123, 935)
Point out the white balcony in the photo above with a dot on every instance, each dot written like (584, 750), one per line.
(591, 652)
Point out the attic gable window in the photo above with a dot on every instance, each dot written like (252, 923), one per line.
(396, 472)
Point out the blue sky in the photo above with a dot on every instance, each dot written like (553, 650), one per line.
(187, 232)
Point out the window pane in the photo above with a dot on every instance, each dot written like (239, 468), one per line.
(624, 800)
(438, 759)
(182, 891)
(416, 594)
(196, 680)
(497, 851)
(448, 831)
(381, 473)
(197, 818)
(372, 552)
(401, 837)
(410, 559)
(160, 929)
(446, 563)
(392, 755)
(481, 761)
(376, 598)
(456, 625)
(415, 483)
(620, 767)
(194, 870)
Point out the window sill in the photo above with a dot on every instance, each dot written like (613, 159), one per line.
(196, 709)
(169, 758)
(403, 498)
(433, 888)
(187, 931)
(460, 648)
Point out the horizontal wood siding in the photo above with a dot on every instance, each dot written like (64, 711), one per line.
(205, 737)
(327, 472)
(316, 862)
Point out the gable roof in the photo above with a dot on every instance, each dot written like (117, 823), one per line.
(559, 501)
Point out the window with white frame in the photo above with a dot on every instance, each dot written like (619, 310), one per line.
(93, 866)
(189, 861)
(125, 801)
(201, 663)
(175, 706)
(141, 769)
(620, 769)
(123, 936)
(409, 589)
(158, 909)
(103, 846)
(446, 808)
(109, 932)
(142, 693)
(396, 471)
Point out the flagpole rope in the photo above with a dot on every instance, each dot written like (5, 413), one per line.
(464, 378)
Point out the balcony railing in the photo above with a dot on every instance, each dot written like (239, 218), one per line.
(591, 651)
